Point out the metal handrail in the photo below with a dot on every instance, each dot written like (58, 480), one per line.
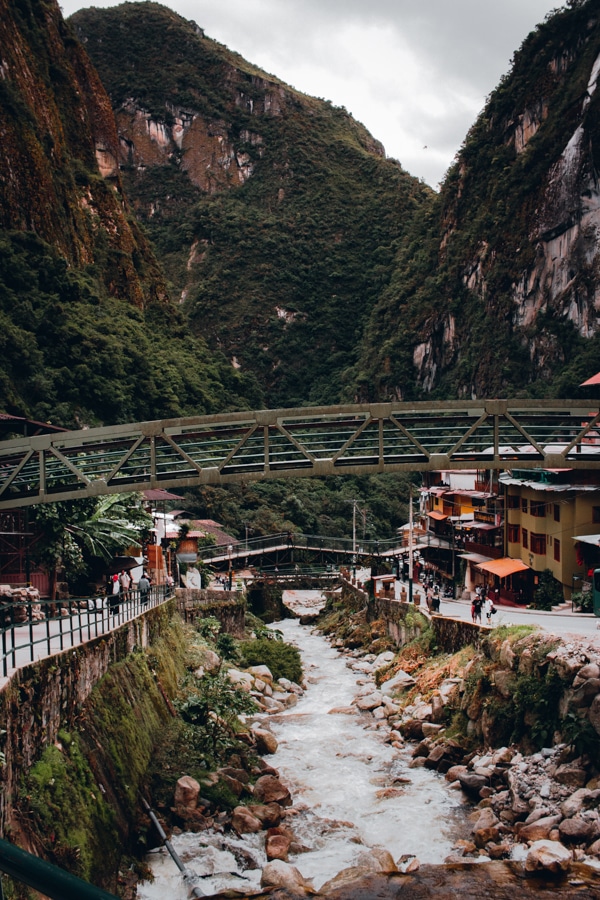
(45, 877)
(297, 541)
(35, 629)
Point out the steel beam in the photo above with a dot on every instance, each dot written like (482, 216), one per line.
(298, 443)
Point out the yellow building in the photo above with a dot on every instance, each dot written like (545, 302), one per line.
(545, 509)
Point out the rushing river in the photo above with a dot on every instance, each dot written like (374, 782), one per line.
(352, 791)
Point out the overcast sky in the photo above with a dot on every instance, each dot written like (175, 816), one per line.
(415, 72)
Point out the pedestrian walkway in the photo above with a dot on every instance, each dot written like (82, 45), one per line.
(79, 621)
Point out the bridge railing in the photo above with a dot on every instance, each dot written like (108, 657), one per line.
(32, 630)
(287, 540)
(306, 441)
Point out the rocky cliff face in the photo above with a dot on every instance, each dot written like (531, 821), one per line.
(275, 214)
(508, 295)
(59, 152)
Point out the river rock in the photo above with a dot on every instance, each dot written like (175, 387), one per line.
(384, 660)
(262, 672)
(540, 830)
(550, 856)
(385, 860)
(266, 742)
(401, 681)
(242, 680)
(486, 828)
(437, 709)
(209, 661)
(277, 844)
(278, 873)
(269, 814)
(244, 822)
(571, 774)
(472, 783)
(578, 830)
(370, 701)
(187, 791)
(269, 789)
(412, 729)
(430, 729)
(578, 801)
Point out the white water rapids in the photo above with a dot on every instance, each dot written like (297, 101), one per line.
(336, 767)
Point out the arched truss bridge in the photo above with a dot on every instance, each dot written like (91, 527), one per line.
(308, 441)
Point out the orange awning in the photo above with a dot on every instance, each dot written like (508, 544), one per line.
(437, 515)
(503, 567)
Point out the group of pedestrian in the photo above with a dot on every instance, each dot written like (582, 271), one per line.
(432, 596)
(120, 589)
(482, 605)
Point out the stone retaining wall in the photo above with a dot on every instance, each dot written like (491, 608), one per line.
(229, 607)
(48, 695)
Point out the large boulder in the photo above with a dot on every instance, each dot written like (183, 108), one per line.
(539, 830)
(187, 791)
(370, 701)
(471, 783)
(578, 830)
(548, 856)
(266, 742)
(242, 680)
(269, 814)
(401, 681)
(278, 873)
(277, 844)
(262, 672)
(269, 789)
(244, 822)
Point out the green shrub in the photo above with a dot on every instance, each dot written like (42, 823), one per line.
(282, 659)
(212, 712)
(549, 592)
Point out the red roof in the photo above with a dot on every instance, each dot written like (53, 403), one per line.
(595, 379)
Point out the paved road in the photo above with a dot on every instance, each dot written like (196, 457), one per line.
(560, 622)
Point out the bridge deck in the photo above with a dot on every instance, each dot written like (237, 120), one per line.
(303, 442)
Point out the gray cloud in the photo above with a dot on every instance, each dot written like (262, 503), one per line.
(415, 72)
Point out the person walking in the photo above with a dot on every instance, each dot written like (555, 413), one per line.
(114, 587)
(144, 589)
(125, 584)
(488, 607)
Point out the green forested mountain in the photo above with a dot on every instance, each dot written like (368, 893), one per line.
(276, 215)
(87, 329)
(496, 289)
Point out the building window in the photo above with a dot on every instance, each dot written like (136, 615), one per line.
(556, 549)
(557, 512)
(596, 515)
(514, 534)
(524, 504)
(513, 501)
(538, 508)
(538, 543)
(525, 538)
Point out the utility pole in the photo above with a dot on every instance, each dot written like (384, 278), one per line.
(410, 548)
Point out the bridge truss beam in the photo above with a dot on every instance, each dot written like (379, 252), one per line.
(308, 441)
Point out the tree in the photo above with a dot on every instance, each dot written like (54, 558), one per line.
(74, 532)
